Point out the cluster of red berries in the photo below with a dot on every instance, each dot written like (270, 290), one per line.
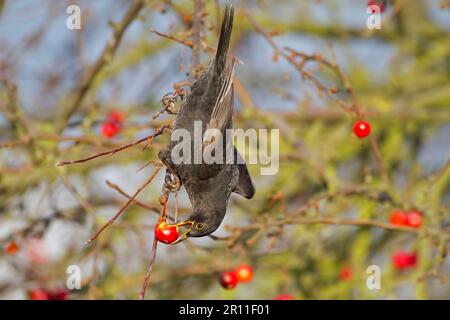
(404, 260)
(401, 260)
(113, 124)
(166, 233)
(382, 4)
(44, 294)
(230, 279)
(412, 218)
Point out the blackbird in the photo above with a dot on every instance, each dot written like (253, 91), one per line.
(210, 101)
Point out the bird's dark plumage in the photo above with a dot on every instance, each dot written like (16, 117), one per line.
(210, 101)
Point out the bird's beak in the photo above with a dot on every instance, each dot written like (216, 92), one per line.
(187, 223)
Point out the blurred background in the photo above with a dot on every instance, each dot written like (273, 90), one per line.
(311, 69)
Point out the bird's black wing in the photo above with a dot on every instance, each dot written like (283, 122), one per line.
(221, 87)
(244, 186)
(222, 113)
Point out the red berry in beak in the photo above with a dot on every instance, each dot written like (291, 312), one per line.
(361, 129)
(228, 280)
(244, 273)
(166, 233)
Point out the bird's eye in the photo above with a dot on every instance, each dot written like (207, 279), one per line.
(199, 226)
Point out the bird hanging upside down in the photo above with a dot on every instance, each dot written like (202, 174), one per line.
(209, 186)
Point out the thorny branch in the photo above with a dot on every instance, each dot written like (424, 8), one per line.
(148, 139)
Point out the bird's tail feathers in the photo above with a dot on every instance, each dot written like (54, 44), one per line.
(225, 35)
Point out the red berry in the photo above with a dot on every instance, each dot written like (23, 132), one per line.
(11, 248)
(166, 233)
(399, 218)
(116, 117)
(284, 297)
(38, 294)
(228, 280)
(109, 129)
(414, 219)
(361, 129)
(113, 125)
(244, 273)
(403, 260)
(346, 273)
(380, 3)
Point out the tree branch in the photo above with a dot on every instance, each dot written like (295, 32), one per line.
(106, 56)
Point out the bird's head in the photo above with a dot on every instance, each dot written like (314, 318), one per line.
(200, 224)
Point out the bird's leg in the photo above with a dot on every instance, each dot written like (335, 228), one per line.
(170, 186)
(172, 181)
(176, 207)
(172, 108)
(164, 195)
(168, 102)
(169, 182)
(164, 211)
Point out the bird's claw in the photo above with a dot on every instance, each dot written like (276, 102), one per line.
(171, 184)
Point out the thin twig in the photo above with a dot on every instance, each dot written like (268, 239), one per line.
(105, 57)
(197, 21)
(186, 43)
(149, 270)
(136, 201)
(150, 138)
(83, 202)
(176, 206)
(111, 221)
